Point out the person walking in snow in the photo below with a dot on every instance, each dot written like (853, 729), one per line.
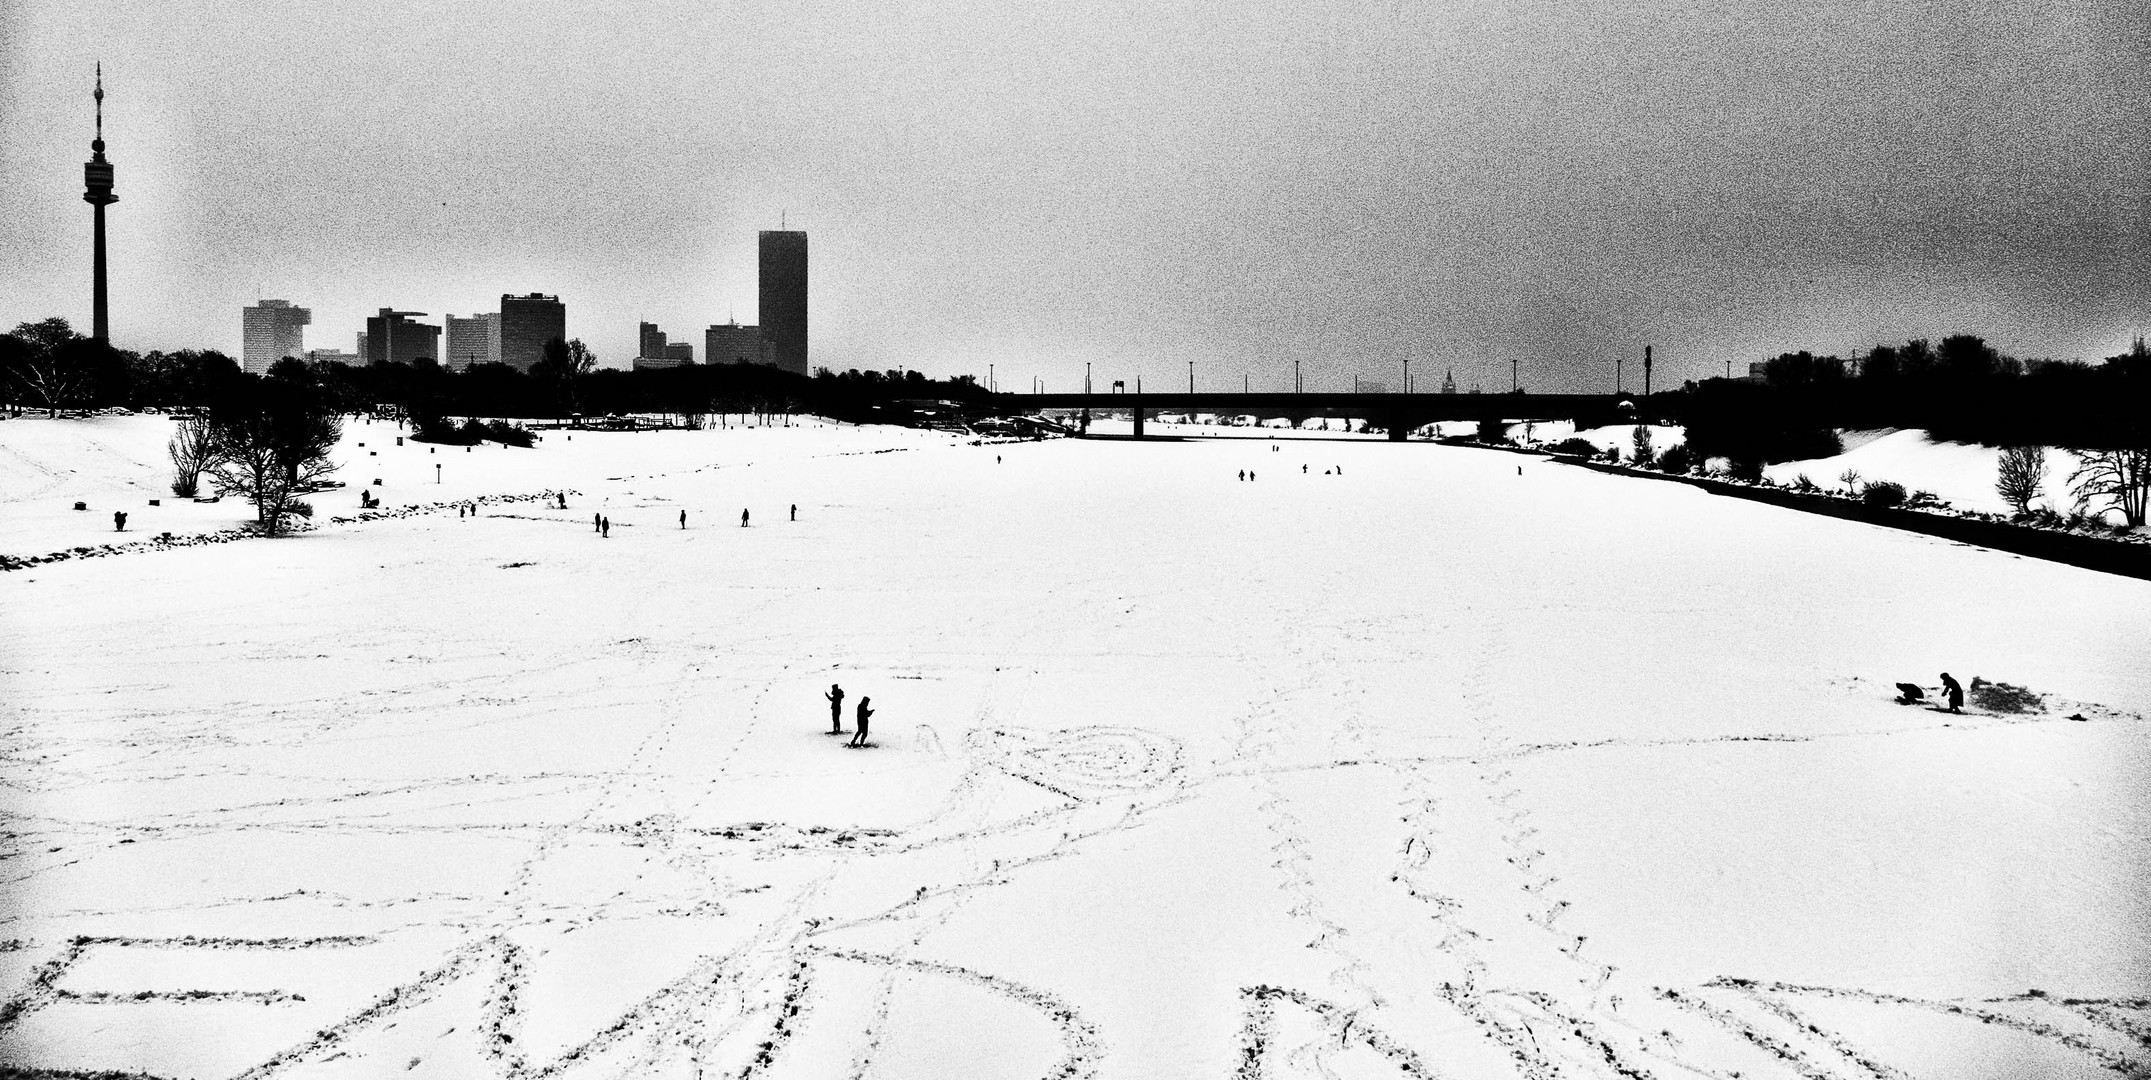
(683, 519)
(605, 527)
(1955, 692)
(1243, 475)
(119, 521)
(836, 709)
(742, 519)
(563, 500)
(597, 523)
(858, 737)
(795, 511)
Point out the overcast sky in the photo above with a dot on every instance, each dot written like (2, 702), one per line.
(1138, 185)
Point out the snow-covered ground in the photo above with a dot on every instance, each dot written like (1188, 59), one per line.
(1961, 474)
(1447, 762)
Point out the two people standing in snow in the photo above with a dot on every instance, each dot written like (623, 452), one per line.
(865, 713)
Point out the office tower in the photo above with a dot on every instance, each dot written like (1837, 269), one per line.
(653, 342)
(391, 338)
(527, 322)
(734, 344)
(271, 331)
(469, 341)
(97, 191)
(331, 356)
(681, 351)
(784, 297)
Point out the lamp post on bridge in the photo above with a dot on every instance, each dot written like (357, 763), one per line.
(1407, 376)
(1191, 376)
(1512, 374)
(1295, 376)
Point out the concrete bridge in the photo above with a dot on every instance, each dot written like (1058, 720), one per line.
(1398, 413)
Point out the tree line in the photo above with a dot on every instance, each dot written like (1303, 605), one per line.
(47, 365)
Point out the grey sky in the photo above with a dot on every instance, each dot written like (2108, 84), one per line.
(1137, 185)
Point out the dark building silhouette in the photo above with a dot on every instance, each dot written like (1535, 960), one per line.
(271, 330)
(784, 298)
(391, 339)
(732, 343)
(97, 191)
(527, 322)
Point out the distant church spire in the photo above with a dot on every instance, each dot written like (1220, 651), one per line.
(97, 191)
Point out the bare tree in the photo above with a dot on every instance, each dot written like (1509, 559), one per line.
(1851, 479)
(2020, 476)
(2114, 480)
(193, 449)
(271, 443)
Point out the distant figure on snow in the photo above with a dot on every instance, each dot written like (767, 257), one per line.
(605, 527)
(119, 521)
(563, 500)
(1303, 468)
(743, 519)
(836, 709)
(1955, 692)
(1908, 694)
(795, 511)
(683, 519)
(1243, 476)
(858, 737)
(597, 523)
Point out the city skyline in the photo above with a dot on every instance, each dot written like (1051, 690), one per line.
(1350, 188)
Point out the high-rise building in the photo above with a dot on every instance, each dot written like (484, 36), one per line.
(526, 323)
(682, 351)
(734, 344)
(470, 341)
(784, 297)
(391, 338)
(656, 352)
(97, 191)
(653, 342)
(270, 331)
(331, 356)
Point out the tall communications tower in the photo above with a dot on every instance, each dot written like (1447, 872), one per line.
(97, 185)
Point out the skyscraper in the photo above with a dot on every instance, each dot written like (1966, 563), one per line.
(469, 341)
(784, 298)
(271, 331)
(97, 191)
(526, 323)
(391, 339)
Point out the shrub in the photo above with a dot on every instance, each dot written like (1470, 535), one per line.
(1883, 493)
(1493, 432)
(1677, 459)
(1748, 469)
(1640, 451)
(1920, 499)
(2003, 698)
(299, 507)
(1802, 483)
(1575, 446)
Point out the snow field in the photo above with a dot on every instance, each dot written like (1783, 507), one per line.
(1429, 768)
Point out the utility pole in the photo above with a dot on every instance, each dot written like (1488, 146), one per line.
(1646, 371)
(989, 378)
(1086, 377)
(1728, 370)
(1512, 374)
(1295, 376)
(1191, 376)
(1407, 376)
(1616, 374)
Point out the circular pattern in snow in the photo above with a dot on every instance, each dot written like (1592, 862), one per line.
(1080, 763)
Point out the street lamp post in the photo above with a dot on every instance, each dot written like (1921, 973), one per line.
(1512, 375)
(1616, 373)
(1407, 376)
(1191, 376)
(1295, 376)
